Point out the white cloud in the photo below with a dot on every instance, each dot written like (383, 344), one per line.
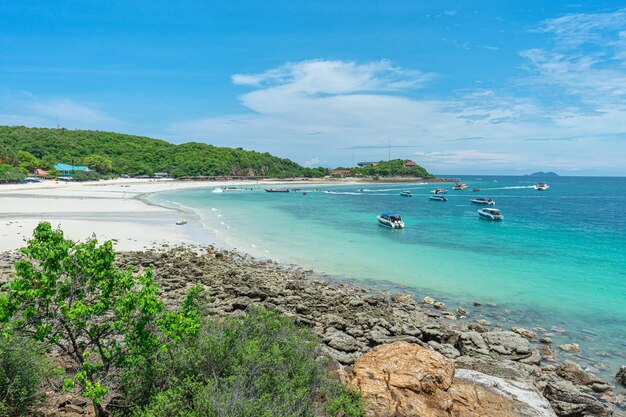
(29, 110)
(313, 162)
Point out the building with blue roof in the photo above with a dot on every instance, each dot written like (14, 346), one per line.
(68, 170)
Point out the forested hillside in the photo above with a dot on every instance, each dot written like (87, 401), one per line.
(118, 153)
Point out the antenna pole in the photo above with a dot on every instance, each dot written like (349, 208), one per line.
(389, 148)
(58, 121)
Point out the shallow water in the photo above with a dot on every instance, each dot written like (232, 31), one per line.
(558, 258)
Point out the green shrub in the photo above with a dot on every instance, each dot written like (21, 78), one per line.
(259, 365)
(23, 368)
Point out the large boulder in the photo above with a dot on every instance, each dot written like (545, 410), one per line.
(403, 379)
(568, 401)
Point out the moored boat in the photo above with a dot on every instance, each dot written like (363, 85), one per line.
(484, 200)
(272, 190)
(437, 197)
(181, 222)
(490, 214)
(459, 186)
(440, 191)
(393, 221)
(406, 194)
(476, 189)
(541, 186)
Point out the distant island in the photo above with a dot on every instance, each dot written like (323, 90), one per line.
(87, 154)
(544, 174)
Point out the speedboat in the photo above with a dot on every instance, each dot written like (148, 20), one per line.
(490, 214)
(217, 190)
(181, 222)
(476, 189)
(541, 186)
(230, 189)
(484, 200)
(406, 194)
(459, 186)
(440, 191)
(271, 190)
(438, 197)
(393, 221)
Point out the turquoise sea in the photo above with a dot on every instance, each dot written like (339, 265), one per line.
(557, 261)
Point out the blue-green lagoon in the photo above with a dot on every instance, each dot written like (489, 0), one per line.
(557, 261)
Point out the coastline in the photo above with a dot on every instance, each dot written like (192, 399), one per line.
(120, 211)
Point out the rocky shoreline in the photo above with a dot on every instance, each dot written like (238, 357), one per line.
(355, 323)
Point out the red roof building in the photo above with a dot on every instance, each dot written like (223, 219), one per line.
(410, 164)
(340, 172)
(40, 172)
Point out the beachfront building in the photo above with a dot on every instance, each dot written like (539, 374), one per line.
(67, 170)
(410, 164)
(161, 175)
(340, 172)
(39, 173)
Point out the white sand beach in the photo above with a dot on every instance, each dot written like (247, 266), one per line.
(109, 209)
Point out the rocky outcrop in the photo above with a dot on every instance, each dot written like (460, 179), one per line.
(407, 379)
(621, 375)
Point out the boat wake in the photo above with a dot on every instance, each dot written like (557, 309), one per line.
(512, 187)
(342, 193)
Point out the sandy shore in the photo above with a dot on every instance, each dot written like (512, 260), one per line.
(112, 210)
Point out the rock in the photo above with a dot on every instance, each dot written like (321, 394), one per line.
(477, 327)
(461, 311)
(534, 403)
(570, 347)
(429, 300)
(528, 334)
(508, 344)
(71, 408)
(574, 373)
(502, 368)
(477, 303)
(548, 354)
(621, 375)
(341, 341)
(439, 305)
(445, 349)
(472, 343)
(545, 340)
(569, 401)
(406, 380)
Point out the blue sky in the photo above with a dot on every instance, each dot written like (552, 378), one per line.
(459, 86)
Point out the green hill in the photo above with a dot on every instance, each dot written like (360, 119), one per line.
(136, 155)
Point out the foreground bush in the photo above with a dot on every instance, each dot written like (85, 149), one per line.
(23, 368)
(72, 297)
(255, 366)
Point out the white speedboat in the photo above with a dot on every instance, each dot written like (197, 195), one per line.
(393, 221)
(231, 189)
(438, 197)
(490, 214)
(406, 194)
(440, 191)
(217, 190)
(483, 200)
(459, 186)
(541, 186)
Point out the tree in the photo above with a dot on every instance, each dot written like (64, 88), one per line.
(27, 160)
(72, 296)
(9, 173)
(98, 163)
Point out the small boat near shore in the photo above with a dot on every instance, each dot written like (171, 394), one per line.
(440, 191)
(272, 190)
(459, 186)
(492, 214)
(181, 222)
(390, 220)
(476, 189)
(484, 201)
(437, 197)
(406, 194)
(541, 186)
